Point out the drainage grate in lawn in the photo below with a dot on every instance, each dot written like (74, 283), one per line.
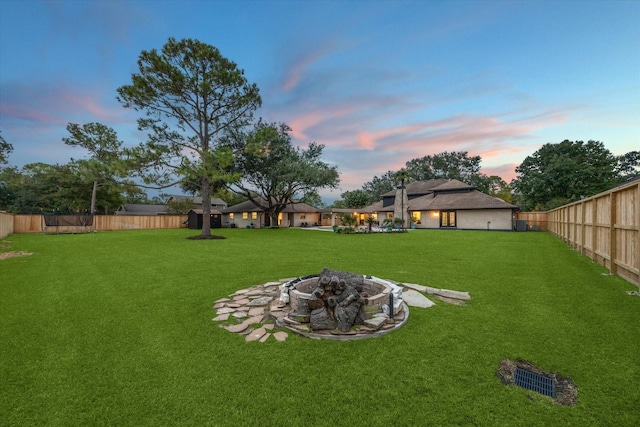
(535, 382)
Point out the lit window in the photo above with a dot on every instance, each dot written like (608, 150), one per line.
(245, 215)
(447, 219)
(254, 215)
(417, 217)
(303, 216)
(231, 216)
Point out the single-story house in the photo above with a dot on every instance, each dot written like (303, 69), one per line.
(443, 204)
(247, 215)
(138, 209)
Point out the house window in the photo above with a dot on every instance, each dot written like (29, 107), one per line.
(231, 216)
(417, 217)
(390, 216)
(303, 215)
(254, 215)
(245, 215)
(448, 219)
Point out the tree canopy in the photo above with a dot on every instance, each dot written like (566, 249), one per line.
(39, 187)
(562, 173)
(5, 150)
(105, 166)
(446, 165)
(191, 95)
(274, 172)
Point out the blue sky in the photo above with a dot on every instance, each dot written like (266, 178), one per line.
(377, 82)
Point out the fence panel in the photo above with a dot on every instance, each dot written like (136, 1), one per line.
(138, 222)
(35, 223)
(28, 224)
(535, 220)
(605, 227)
(6, 224)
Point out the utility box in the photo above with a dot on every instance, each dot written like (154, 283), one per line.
(521, 225)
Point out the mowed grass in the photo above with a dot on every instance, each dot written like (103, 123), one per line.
(115, 328)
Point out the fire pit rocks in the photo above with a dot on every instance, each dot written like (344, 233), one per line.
(339, 304)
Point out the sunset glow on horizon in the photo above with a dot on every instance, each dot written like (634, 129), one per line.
(379, 83)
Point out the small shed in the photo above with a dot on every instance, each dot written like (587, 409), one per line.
(195, 219)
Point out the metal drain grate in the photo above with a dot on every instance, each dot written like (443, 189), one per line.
(536, 382)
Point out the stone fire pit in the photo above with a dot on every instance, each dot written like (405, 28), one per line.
(341, 305)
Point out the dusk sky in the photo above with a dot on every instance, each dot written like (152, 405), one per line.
(377, 82)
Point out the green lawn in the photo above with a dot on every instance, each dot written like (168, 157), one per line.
(114, 328)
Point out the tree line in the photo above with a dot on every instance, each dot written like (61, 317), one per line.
(553, 176)
(197, 110)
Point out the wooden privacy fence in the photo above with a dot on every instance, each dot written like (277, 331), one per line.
(35, 223)
(535, 220)
(6, 225)
(605, 228)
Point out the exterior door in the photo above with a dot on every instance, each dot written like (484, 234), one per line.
(448, 219)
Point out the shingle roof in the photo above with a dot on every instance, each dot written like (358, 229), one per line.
(197, 200)
(249, 206)
(200, 212)
(246, 206)
(418, 187)
(453, 184)
(473, 199)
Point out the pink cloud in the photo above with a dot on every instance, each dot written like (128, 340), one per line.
(57, 104)
(296, 71)
(506, 171)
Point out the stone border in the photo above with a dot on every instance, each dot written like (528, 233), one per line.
(258, 311)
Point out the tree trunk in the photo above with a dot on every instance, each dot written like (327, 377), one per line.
(94, 193)
(206, 207)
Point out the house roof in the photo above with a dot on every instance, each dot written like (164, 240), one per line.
(246, 206)
(418, 187)
(140, 209)
(215, 201)
(453, 184)
(249, 206)
(377, 207)
(441, 194)
(200, 212)
(473, 199)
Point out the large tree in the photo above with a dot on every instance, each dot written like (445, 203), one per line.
(105, 166)
(274, 172)
(380, 185)
(354, 199)
(191, 96)
(562, 173)
(628, 165)
(449, 165)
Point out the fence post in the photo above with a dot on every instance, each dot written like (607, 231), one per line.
(612, 233)
(594, 230)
